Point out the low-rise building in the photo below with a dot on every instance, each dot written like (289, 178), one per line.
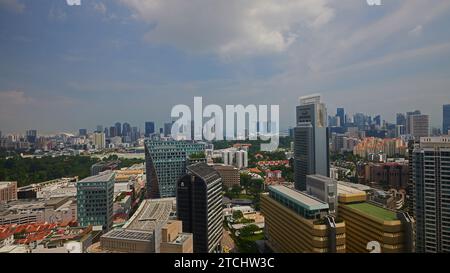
(8, 191)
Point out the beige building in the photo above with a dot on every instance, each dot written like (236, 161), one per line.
(173, 240)
(230, 175)
(8, 191)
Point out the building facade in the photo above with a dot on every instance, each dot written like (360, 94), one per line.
(230, 175)
(95, 197)
(8, 191)
(165, 163)
(446, 119)
(311, 149)
(199, 206)
(299, 223)
(431, 178)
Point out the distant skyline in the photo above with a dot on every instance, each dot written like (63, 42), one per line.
(69, 67)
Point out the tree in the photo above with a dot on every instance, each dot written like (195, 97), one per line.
(237, 214)
(249, 230)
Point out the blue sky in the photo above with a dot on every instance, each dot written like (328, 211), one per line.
(68, 67)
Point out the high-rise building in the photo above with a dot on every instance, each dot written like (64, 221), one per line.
(431, 178)
(112, 131)
(149, 128)
(311, 149)
(419, 126)
(199, 206)
(168, 129)
(82, 132)
(95, 200)
(377, 120)
(99, 140)
(165, 163)
(408, 120)
(446, 119)
(99, 129)
(118, 126)
(296, 222)
(341, 115)
(31, 136)
(401, 119)
(368, 223)
(126, 129)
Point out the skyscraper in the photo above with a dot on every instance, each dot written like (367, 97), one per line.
(31, 136)
(149, 128)
(199, 206)
(165, 163)
(446, 119)
(401, 119)
(126, 129)
(99, 140)
(408, 120)
(310, 140)
(112, 131)
(82, 132)
(419, 126)
(118, 129)
(95, 200)
(431, 177)
(168, 129)
(341, 115)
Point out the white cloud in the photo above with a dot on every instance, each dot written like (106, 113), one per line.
(12, 5)
(230, 28)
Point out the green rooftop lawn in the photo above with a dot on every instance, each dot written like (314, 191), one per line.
(378, 212)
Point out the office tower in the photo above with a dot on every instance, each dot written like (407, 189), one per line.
(341, 115)
(112, 131)
(135, 134)
(106, 131)
(299, 223)
(408, 120)
(401, 119)
(99, 140)
(446, 119)
(199, 206)
(367, 222)
(165, 163)
(95, 196)
(419, 126)
(82, 132)
(377, 120)
(161, 131)
(310, 141)
(118, 129)
(168, 129)
(324, 188)
(99, 129)
(149, 128)
(31, 136)
(126, 129)
(431, 177)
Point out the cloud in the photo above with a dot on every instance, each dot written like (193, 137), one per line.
(417, 31)
(12, 5)
(230, 28)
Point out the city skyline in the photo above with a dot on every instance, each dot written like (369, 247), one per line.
(85, 62)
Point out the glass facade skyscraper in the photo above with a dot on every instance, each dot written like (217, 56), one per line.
(446, 119)
(166, 162)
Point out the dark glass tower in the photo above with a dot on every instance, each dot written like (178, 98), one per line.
(311, 150)
(446, 119)
(149, 128)
(199, 206)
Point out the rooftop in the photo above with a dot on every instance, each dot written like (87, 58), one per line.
(204, 171)
(300, 198)
(136, 235)
(150, 214)
(103, 177)
(375, 211)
